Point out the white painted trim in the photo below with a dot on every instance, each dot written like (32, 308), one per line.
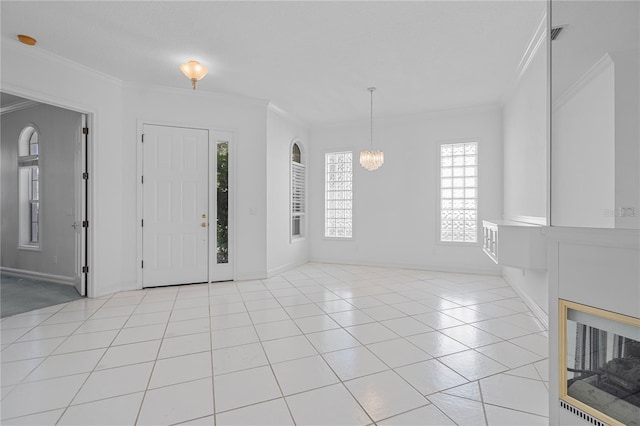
(18, 107)
(493, 271)
(596, 69)
(535, 220)
(40, 276)
(540, 314)
(284, 268)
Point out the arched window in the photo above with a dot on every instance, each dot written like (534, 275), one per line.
(298, 191)
(29, 187)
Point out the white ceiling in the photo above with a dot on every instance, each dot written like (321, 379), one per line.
(315, 60)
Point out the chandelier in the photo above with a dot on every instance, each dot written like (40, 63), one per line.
(371, 159)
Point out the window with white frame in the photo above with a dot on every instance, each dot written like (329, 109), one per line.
(459, 192)
(29, 188)
(338, 201)
(298, 179)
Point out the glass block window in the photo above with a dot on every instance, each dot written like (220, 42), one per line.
(338, 202)
(459, 192)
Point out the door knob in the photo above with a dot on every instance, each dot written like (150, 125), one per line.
(203, 224)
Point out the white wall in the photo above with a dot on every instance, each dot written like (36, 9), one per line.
(36, 74)
(525, 165)
(627, 110)
(583, 151)
(525, 143)
(246, 118)
(282, 252)
(396, 207)
(59, 132)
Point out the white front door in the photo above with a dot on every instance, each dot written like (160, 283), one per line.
(175, 206)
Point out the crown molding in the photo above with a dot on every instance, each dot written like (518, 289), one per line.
(596, 69)
(424, 115)
(286, 115)
(537, 40)
(38, 53)
(229, 98)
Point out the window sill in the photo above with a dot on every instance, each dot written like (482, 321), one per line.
(29, 248)
(458, 244)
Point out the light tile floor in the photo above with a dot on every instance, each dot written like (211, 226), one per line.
(321, 344)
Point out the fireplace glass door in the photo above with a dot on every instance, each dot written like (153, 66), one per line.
(600, 363)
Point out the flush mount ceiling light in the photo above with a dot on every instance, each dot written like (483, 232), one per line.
(371, 159)
(194, 72)
(28, 40)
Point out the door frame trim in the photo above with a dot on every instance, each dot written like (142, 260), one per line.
(92, 159)
(140, 123)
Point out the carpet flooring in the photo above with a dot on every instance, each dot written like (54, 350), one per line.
(18, 295)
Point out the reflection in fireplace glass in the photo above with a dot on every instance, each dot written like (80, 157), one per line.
(603, 366)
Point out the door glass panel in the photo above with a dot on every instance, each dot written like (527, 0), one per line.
(222, 229)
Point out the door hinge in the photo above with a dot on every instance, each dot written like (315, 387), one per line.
(143, 138)
(85, 130)
(85, 269)
(142, 264)
(141, 222)
(85, 223)
(85, 175)
(141, 179)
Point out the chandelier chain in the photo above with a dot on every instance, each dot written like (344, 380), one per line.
(371, 90)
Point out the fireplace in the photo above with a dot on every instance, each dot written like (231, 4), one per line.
(600, 363)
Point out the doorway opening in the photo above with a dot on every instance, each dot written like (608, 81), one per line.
(45, 187)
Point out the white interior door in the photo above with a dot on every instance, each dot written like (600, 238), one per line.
(175, 206)
(80, 208)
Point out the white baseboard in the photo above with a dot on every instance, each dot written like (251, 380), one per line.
(284, 268)
(21, 273)
(250, 276)
(542, 316)
(436, 268)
